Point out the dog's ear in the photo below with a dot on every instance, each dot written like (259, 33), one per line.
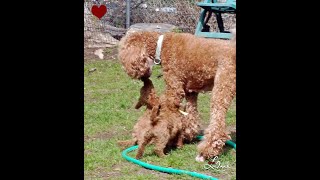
(138, 105)
(135, 61)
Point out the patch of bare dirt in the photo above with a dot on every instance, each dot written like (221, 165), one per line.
(106, 135)
(109, 53)
(160, 175)
(86, 138)
(87, 152)
(107, 175)
(103, 135)
(140, 170)
(101, 173)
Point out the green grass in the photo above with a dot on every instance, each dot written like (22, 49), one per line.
(109, 115)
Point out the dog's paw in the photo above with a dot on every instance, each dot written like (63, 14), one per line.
(209, 148)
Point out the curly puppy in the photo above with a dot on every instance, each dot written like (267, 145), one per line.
(149, 99)
(189, 64)
(166, 128)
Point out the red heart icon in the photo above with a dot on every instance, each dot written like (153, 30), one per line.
(99, 11)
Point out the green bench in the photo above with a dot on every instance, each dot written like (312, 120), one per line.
(212, 6)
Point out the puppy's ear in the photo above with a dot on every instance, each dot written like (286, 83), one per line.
(138, 105)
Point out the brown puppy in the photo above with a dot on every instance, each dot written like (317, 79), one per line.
(166, 128)
(149, 99)
(146, 122)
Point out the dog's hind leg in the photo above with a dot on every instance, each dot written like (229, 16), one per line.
(142, 145)
(161, 140)
(179, 140)
(174, 89)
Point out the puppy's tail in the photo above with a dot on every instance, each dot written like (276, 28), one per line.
(233, 38)
(124, 144)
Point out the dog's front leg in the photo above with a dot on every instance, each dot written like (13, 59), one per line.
(174, 89)
(222, 95)
(192, 119)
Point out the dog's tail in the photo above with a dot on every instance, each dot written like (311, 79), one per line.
(233, 38)
(124, 144)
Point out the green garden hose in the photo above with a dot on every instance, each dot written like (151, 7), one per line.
(169, 170)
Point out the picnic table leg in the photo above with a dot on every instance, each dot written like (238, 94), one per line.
(220, 22)
(200, 22)
(206, 27)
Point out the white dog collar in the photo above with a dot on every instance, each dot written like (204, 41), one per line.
(157, 59)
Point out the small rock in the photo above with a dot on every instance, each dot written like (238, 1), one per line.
(92, 70)
(99, 53)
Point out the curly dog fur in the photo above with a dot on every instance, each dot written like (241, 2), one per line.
(147, 124)
(189, 64)
(191, 122)
(149, 99)
(166, 128)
